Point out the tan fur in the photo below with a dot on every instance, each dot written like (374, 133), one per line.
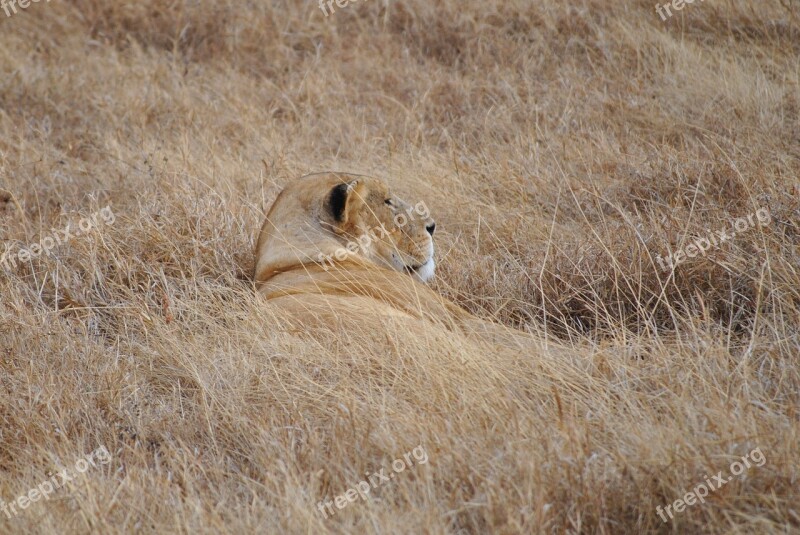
(365, 285)
(365, 288)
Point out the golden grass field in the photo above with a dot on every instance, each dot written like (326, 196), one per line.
(561, 146)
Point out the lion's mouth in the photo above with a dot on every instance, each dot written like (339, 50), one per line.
(414, 268)
(423, 272)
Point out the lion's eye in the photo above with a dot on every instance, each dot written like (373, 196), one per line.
(388, 202)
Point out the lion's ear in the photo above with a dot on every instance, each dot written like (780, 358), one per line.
(344, 199)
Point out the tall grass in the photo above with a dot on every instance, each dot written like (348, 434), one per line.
(560, 145)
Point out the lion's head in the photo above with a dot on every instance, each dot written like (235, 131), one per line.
(329, 218)
(374, 222)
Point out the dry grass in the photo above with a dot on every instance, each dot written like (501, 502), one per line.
(561, 146)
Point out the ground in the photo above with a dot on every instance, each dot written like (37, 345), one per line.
(621, 185)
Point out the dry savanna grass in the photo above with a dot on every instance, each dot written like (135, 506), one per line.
(563, 147)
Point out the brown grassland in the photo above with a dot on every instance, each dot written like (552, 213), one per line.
(560, 144)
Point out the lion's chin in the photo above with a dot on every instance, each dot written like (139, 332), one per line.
(424, 272)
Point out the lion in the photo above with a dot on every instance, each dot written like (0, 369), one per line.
(339, 249)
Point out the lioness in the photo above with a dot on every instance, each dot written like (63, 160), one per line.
(344, 246)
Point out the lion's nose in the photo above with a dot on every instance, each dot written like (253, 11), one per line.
(431, 228)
